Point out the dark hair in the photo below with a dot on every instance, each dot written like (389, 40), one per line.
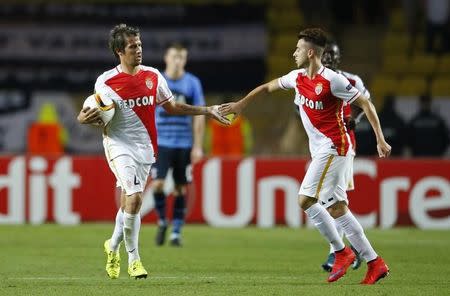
(316, 36)
(117, 37)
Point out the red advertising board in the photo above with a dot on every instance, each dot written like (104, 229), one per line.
(226, 192)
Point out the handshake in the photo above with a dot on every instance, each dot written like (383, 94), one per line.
(225, 113)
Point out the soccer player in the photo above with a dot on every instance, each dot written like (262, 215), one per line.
(320, 95)
(130, 138)
(331, 59)
(180, 140)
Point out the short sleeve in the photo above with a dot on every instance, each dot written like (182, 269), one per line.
(163, 93)
(342, 88)
(101, 87)
(359, 84)
(288, 81)
(198, 98)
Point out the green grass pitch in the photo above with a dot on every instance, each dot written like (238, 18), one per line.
(57, 260)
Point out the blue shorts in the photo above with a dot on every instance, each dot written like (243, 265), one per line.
(179, 159)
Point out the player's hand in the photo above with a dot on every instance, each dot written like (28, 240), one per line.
(90, 116)
(384, 149)
(214, 112)
(234, 108)
(196, 154)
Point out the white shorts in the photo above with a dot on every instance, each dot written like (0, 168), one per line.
(327, 179)
(350, 181)
(131, 176)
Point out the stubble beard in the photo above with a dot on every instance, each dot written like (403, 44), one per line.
(303, 64)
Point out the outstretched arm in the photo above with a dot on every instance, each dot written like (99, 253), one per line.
(355, 117)
(176, 108)
(198, 131)
(384, 149)
(237, 107)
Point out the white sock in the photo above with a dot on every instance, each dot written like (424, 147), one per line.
(325, 224)
(131, 226)
(341, 235)
(355, 235)
(117, 235)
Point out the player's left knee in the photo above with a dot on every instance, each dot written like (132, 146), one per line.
(133, 203)
(180, 190)
(158, 185)
(337, 209)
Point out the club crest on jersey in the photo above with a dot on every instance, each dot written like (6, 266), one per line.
(318, 88)
(149, 83)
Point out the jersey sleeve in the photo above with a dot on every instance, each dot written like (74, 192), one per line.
(288, 81)
(102, 88)
(163, 94)
(99, 85)
(198, 97)
(342, 88)
(359, 84)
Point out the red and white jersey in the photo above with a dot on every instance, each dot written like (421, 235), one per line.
(357, 82)
(320, 102)
(132, 130)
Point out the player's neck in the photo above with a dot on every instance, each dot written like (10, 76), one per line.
(174, 73)
(129, 69)
(313, 68)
